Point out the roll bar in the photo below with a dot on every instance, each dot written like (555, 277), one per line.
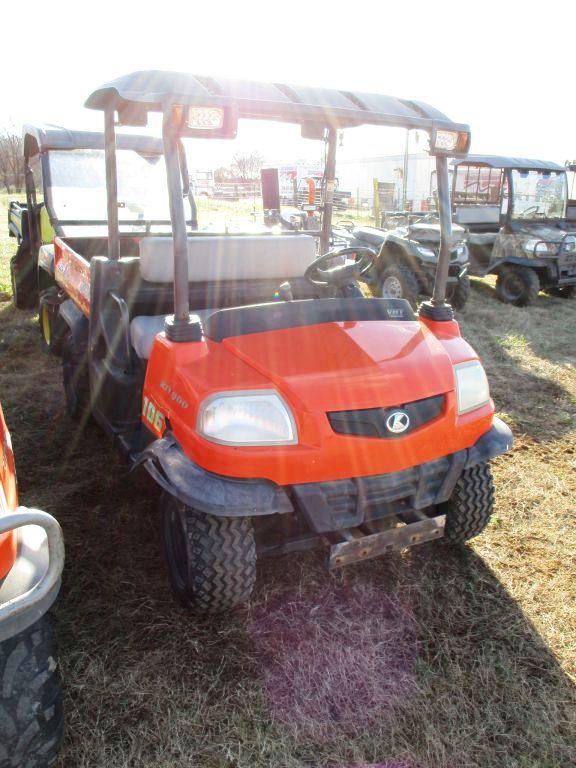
(319, 111)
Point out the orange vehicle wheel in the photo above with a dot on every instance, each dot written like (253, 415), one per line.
(31, 712)
(211, 560)
(470, 507)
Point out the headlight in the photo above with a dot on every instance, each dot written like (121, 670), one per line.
(247, 418)
(205, 118)
(471, 386)
(446, 140)
(570, 244)
(449, 142)
(427, 252)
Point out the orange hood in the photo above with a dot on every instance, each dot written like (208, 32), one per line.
(335, 366)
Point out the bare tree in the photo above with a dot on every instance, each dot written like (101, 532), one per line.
(222, 174)
(246, 167)
(11, 164)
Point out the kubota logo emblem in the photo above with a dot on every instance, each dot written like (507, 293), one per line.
(398, 422)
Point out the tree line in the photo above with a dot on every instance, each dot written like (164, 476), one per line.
(11, 162)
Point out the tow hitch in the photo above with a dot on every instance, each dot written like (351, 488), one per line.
(372, 540)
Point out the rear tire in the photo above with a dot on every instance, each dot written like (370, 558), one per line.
(460, 293)
(398, 281)
(469, 509)
(31, 712)
(517, 285)
(75, 378)
(211, 560)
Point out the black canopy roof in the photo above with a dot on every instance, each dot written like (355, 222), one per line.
(519, 163)
(38, 138)
(152, 90)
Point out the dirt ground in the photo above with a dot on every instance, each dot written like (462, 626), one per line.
(430, 659)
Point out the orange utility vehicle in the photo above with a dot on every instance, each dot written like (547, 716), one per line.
(31, 562)
(277, 408)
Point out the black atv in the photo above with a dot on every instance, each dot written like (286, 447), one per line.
(408, 255)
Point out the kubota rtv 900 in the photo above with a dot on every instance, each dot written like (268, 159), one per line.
(275, 406)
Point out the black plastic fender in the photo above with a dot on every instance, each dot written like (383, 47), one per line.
(75, 320)
(169, 466)
(493, 443)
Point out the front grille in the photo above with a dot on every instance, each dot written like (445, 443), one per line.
(371, 422)
(337, 504)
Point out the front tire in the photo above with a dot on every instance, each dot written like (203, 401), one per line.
(31, 712)
(469, 509)
(398, 281)
(211, 560)
(517, 285)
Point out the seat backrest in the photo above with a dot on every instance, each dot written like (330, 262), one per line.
(213, 258)
(477, 214)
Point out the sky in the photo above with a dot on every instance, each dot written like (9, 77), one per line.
(506, 68)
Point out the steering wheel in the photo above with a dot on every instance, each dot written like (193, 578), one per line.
(319, 272)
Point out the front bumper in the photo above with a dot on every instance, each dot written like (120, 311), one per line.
(33, 582)
(327, 506)
(333, 506)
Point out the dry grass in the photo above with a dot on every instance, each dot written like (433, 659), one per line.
(432, 659)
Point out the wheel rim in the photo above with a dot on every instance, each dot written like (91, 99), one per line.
(46, 329)
(175, 537)
(513, 287)
(392, 288)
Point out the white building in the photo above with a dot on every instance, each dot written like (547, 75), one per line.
(357, 177)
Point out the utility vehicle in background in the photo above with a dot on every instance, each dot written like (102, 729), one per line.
(407, 257)
(66, 196)
(31, 562)
(515, 211)
(275, 406)
(571, 206)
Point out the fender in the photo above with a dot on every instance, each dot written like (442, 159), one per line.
(75, 320)
(399, 247)
(521, 261)
(169, 466)
(33, 582)
(493, 443)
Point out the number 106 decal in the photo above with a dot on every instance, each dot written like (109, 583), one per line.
(153, 417)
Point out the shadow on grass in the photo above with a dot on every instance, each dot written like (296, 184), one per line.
(526, 352)
(422, 660)
(546, 325)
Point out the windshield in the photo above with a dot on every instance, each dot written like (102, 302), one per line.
(78, 186)
(538, 194)
(477, 185)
